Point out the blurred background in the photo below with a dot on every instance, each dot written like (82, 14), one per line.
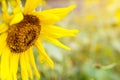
(95, 53)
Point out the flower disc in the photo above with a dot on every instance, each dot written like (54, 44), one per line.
(23, 35)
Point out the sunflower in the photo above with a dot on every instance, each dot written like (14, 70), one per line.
(22, 29)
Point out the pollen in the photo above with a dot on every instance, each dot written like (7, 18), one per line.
(22, 36)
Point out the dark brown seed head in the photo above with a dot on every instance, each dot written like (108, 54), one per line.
(23, 35)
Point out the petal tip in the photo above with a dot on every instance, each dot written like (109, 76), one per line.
(72, 6)
(67, 48)
(52, 67)
(77, 31)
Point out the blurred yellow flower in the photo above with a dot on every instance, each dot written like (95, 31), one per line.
(117, 14)
(91, 2)
(89, 17)
(23, 30)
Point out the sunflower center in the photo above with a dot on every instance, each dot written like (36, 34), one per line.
(23, 35)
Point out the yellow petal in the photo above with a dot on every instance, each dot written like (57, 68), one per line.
(43, 54)
(14, 59)
(55, 42)
(4, 7)
(60, 12)
(17, 10)
(32, 61)
(3, 28)
(16, 4)
(2, 42)
(5, 15)
(5, 57)
(17, 18)
(28, 65)
(28, 8)
(57, 32)
(23, 65)
(53, 16)
(46, 18)
(12, 3)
